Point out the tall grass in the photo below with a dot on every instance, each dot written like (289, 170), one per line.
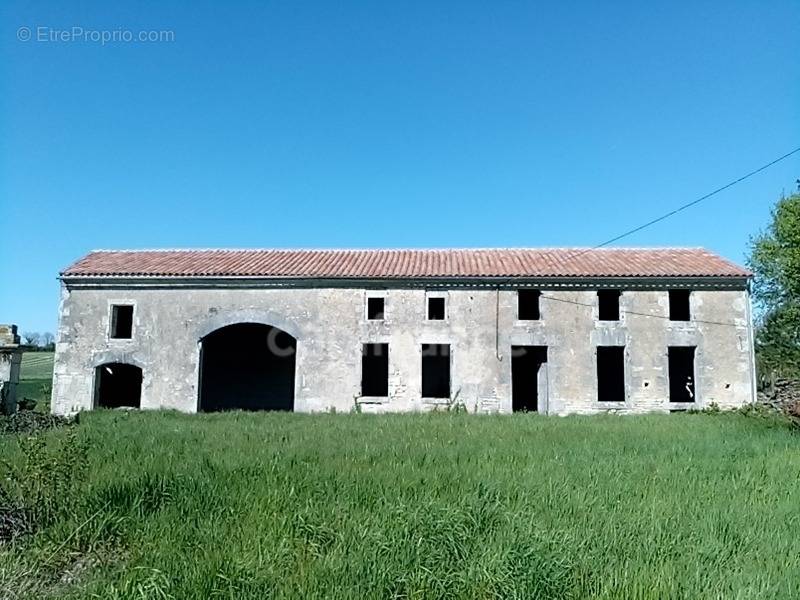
(421, 506)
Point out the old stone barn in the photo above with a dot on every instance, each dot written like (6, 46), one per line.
(493, 330)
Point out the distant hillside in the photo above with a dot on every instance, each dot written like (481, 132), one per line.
(37, 365)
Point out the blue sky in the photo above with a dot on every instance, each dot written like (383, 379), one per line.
(374, 124)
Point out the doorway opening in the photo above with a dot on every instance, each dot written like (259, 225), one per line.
(118, 385)
(528, 378)
(681, 373)
(611, 373)
(247, 366)
(435, 370)
(375, 370)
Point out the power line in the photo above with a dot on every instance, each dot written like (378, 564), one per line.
(690, 204)
(639, 314)
(666, 216)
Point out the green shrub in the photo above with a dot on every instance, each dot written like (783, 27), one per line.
(30, 422)
(44, 486)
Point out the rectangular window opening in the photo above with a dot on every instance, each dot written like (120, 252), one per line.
(679, 305)
(611, 373)
(608, 305)
(375, 370)
(375, 308)
(435, 370)
(528, 305)
(681, 373)
(122, 321)
(436, 308)
(528, 377)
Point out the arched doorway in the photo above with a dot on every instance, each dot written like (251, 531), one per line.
(118, 385)
(247, 366)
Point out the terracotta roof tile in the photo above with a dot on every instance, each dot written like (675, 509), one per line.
(393, 264)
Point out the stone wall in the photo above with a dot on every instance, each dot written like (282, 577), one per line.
(330, 326)
(10, 361)
(781, 393)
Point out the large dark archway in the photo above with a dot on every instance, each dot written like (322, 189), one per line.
(247, 366)
(118, 385)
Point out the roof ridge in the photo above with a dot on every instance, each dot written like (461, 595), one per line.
(400, 249)
(319, 263)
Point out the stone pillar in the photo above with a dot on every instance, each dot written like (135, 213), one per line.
(10, 361)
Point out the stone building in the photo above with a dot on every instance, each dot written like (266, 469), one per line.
(491, 330)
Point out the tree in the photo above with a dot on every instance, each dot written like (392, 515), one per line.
(48, 339)
(775, 261)
(31, 338)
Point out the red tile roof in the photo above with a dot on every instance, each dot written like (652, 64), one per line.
(398, 264)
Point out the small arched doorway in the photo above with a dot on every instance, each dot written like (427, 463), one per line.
(118, 385)
(247, 366)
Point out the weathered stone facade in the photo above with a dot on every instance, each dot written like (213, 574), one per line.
(328, 319)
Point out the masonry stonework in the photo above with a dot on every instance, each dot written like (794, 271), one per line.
(330, 325)
(10, 362)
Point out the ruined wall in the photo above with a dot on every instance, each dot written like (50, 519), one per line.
(10, 362)
(330, 325)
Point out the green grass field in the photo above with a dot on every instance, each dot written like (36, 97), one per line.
(36, 378)
(37, 365)
(412, 506)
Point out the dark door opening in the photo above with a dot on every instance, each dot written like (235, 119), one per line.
(526, 374)
(375, 370)
(247, 366)
(435, 370)
(681, 373)
(118, 385)
(611, 373)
